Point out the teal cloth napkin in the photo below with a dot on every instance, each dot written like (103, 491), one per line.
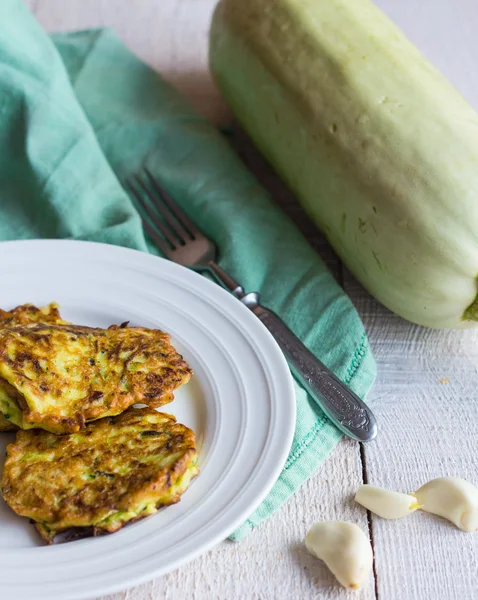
(78, 112)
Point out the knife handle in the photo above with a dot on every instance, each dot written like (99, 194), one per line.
(344, 408)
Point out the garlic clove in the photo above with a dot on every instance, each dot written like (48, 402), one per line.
(385, 503)
(452, 498)
(344, 548)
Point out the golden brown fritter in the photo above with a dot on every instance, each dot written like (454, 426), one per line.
(114, 471)
(21, 315)
(28, 313)
(58, 377)
(6, 425)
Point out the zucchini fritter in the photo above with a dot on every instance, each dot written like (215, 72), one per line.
(21, 315)
(58, 377)
(28, 313)
(116, 470)
(6, 425)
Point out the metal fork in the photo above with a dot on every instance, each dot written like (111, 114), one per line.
(182, 242)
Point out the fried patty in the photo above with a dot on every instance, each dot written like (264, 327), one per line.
(21, 315)
(116, 470)
(28, 313)
(58, 377)
(6, 425)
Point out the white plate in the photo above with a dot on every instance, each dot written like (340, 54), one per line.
(240, 402)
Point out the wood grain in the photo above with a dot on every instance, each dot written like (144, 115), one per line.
(425, 396)
(425, 400)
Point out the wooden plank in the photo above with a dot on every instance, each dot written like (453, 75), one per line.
(425, 400)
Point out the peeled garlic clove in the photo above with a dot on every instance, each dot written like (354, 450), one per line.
(385, 503)
(344, 548)
(452, 498)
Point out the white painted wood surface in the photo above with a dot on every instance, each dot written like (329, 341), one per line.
(425, 396)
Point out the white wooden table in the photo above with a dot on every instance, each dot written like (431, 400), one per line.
(425, 396)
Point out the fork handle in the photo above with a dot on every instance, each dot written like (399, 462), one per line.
(226, 280)
(342, 406)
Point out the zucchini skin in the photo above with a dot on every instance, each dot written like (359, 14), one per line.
(379, 148)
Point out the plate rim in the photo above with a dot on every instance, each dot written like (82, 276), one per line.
(181, 273)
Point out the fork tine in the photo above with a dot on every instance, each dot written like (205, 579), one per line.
(173, 207)
(157, 239)
(154, 217)
(157, 202)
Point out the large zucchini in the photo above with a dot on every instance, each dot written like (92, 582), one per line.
(380, 149)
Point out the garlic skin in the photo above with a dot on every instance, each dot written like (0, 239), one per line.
(452, 498)
(385, 503)
(344, 548)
